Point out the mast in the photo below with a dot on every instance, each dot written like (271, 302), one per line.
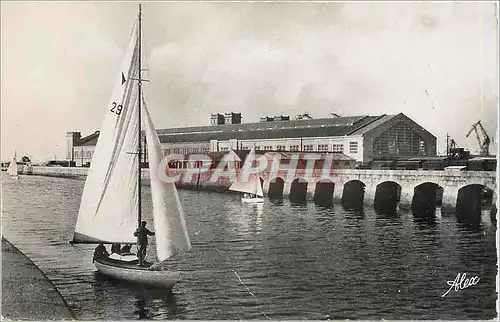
(139, 159)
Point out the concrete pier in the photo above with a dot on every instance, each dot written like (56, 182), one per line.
(27, 294)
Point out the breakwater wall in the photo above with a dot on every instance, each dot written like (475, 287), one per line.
(200, 181)
(436, 188)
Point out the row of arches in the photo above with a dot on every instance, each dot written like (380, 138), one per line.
(427, 197)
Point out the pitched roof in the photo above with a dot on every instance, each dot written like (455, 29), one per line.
(339, 126)
(336, 126)
(89, 140)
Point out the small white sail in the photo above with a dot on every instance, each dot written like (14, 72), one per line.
(170, 227)
(109, 205)
(259, 192)
(12, 169)
(252, 185)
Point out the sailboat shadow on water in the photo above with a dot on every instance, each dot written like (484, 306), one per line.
(110, 208)
(148, 302)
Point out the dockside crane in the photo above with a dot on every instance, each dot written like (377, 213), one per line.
(483, 138)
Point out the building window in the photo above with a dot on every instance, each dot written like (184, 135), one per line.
(322, 147)
(280, 148)
(308, 147)
(294, 148)
(268, 148)
(77, 154)
(176, 151)
(257, 148)
(206, 149)
(89, 154)
(423, 148)
(400, 140)
(353, 147)
(338, 148)
(225, 148)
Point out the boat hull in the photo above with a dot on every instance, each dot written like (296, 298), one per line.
(252, 200)
(133, 273)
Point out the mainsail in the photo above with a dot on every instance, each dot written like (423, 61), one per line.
(109, 205)
(12, 169)
(252, 185)
(168, 217)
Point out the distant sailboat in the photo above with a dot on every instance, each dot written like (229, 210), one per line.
(110, 209)
(12, 169)
(252, 189)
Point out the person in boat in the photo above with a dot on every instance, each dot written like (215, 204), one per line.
(126, 249)
(100, 252)
(116, 248)
(142, 234)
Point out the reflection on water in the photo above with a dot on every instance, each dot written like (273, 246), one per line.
(277, 260)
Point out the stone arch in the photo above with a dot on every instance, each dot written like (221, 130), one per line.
(387, 196)
(353, 194)
(323, 192)
(427, 197)
(298, 190)
(471, 200)
(276, 187)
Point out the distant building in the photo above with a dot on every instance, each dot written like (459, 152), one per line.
(362, 138)
(79, 151)
(226, 118)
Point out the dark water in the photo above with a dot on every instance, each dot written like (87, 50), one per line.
(299, 262)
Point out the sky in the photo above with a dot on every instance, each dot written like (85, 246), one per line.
(435, 62)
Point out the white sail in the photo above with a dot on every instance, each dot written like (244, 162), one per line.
(252, 185)
(259, 192)
(109, 205)
(12, 169)
(170, 227)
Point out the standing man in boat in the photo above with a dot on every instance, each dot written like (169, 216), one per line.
(142, 234)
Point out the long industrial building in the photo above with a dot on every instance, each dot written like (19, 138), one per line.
(362, 138)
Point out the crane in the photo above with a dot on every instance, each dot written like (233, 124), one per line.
(482, 137)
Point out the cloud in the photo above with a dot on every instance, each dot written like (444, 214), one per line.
(435, 62)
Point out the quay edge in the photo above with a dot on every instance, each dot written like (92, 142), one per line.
(27, 293)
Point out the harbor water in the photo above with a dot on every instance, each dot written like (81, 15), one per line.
(278, 260)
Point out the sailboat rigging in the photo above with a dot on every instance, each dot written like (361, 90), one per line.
(111, 205)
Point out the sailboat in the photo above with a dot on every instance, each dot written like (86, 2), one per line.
(252, 188)
(12, 170)
(110, 209)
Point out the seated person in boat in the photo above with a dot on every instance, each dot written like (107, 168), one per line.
(116, 248)
(126, 250)
(100, 252)
(142, 234)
